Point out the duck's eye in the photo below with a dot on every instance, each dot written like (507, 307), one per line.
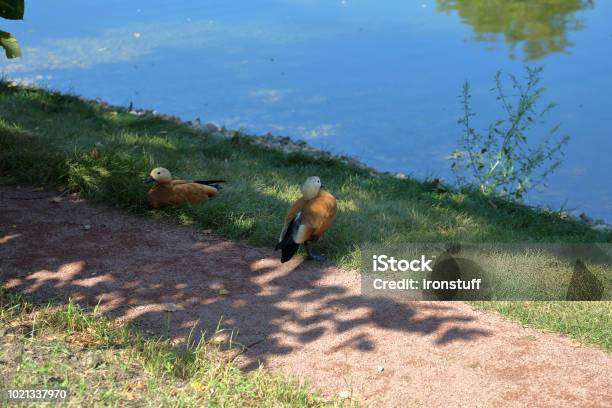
(159, 172)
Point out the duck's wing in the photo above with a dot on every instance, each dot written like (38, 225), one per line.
(205, 182)
(192, 192)
(291, 215)
(213, 183)
(209, 182)
(287, 243)
(295, 234)
(177, 182)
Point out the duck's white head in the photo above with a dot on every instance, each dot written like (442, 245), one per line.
(161, 175)
(311, 187)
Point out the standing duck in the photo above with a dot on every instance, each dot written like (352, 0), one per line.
(169, 192)
(308, 219)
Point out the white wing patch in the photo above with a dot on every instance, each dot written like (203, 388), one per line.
(287, 224)
(299, 236)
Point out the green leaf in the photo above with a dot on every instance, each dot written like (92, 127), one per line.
(12, 9)
(10, 45)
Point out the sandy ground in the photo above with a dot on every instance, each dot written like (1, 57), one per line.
(303, 318)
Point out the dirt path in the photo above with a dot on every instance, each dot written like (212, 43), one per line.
(302, 318)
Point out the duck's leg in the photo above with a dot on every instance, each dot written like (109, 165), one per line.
(312, 256)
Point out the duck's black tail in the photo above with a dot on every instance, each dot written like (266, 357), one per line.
(287, 245)
(212, 183)
(288, 251)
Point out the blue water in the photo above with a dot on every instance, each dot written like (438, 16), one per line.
(376, 81)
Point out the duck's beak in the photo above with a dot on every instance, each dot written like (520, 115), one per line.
(149, 180)
(323, 186)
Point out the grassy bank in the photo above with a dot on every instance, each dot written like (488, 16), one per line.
(104, 152)
(105, 365)
(588, 322)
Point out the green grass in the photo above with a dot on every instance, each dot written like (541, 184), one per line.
(588, 322)
(49, 137)
(103, 364)
(104, 152)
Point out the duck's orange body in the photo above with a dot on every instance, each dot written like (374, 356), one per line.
(179, 192)
(169, 192)
(316, 216)
(307, 220)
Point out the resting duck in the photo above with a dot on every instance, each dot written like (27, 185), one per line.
(307, 220)
(169, 192)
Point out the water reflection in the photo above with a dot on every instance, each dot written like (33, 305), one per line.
(542, 26)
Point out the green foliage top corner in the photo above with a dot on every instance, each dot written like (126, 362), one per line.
(11, 10)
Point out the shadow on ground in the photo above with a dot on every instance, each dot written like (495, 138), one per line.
(167, 279)
(302, 318)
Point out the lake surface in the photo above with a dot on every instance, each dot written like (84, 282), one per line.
(375, 80)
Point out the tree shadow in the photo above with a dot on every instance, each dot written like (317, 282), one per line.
(170, 280)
